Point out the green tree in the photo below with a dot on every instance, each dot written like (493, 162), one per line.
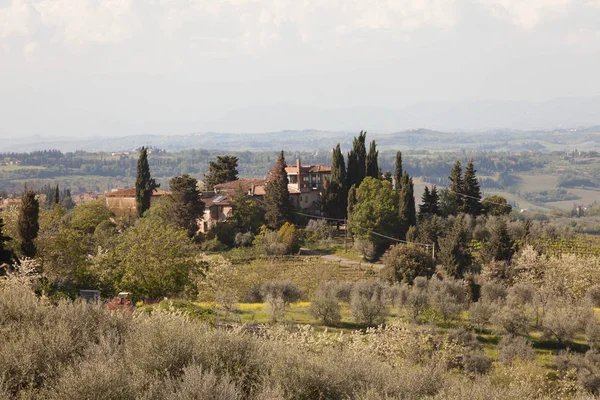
(471, 191)
(398, 171)
(187, 204)
(496, 206)
(56, 196)
(6, 254)
(151, 260)
(221, 171)
(372, 167)
(67, 201)
(376, 210)
(500, 246)
(429, 203)
(456, 187)
(144, 183)
(455, 254)
(28, 224)
(87, 216)
(357, 160)
(247, 215)
(278, 206)
(405, 262)
(336, 196)
(407, 211)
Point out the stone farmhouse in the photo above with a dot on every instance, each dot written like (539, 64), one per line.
(122, 202)
(306, 185)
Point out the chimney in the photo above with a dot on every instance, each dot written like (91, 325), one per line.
(299, 166)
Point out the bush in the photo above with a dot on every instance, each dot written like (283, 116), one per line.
(320, 230)
(515, 347)
(366, 248)
(289, 236)
(481, 312)
(449, 297)
(324, 304)
(405, 262)
(224, 232)
(277, 295)
(417, 300)
(521, 294)
(562, 320)
(226, 299)
(493, 292)
(344, 291)
(213, 245)
(368, 302)
(270, 243)
(476, 363)
(513, 320)
(244, 239)
(593, 296)
(464, 337)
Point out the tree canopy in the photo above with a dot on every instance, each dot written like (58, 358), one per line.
(144, 183)
(278, 205)
(224, 169)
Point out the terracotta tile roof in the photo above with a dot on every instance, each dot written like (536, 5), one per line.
(220, 199)
(131, 193)
(293, 169)
(246, 183)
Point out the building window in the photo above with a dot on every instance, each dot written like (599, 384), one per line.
(293, 178)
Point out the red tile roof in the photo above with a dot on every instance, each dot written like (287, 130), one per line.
(246, 183)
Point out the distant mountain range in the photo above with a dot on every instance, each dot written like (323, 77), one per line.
(484, 125)
(587, 138)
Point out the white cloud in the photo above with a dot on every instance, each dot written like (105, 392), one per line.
(526, 13)
(17, 19)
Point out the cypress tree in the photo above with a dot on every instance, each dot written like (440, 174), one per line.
(456, 186)
(279, 208)
(67, 201)
(351, 203)
(454, 253)
(28, 223)
(335, 196)
(372, 167)
(352, 169)
(144, 184)
(407, 210)
(398, 171)
(56, 196)
(472, 198)
(360, 149)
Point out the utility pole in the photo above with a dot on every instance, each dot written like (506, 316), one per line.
(433, 251)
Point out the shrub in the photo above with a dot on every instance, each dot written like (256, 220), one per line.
(405, 262)
(464, 337)
(198, 384)
(513, 320)
(481, 312)
(515, 347)
(366, 248)
(344, 290)
(324, 303)
(562, 320)
(493, 292)
(593, 295)
(289, 237)
(226, 299)
(319, 230)
(277, 295)
(476, 363)
(449, 297)
(418, 297)
(244, 239)
(521, 294)
(269, 242)
(213, 245)
(224, 232)
(368, 302)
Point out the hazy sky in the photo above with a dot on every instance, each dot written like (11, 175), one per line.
(116, 67)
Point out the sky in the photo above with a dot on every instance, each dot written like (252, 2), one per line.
(117, 67)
